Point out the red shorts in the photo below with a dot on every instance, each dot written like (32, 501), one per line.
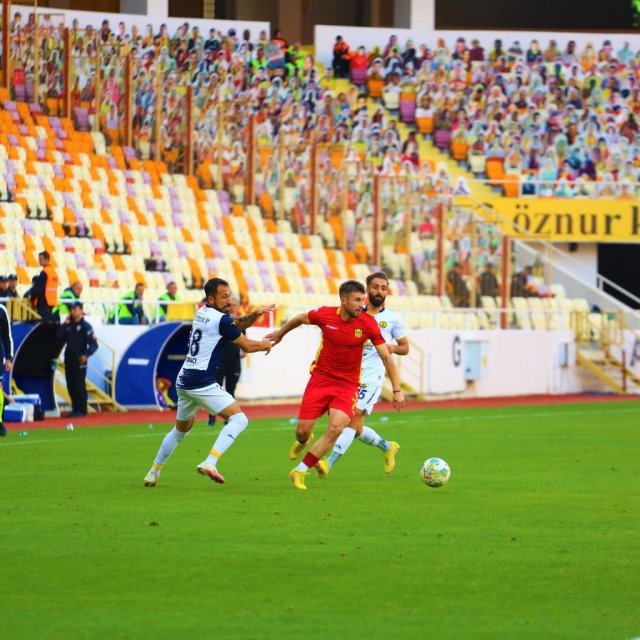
(323, 393)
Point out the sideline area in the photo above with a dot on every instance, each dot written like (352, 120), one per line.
(258, 411)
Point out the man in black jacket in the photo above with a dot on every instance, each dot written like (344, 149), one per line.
(81, 343)
(231, 368)
(6, 357)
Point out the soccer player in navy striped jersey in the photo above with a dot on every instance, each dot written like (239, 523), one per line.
(213, 329)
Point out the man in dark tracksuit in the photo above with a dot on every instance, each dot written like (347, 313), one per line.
(230, 369)
(81, 343)
(6, 357)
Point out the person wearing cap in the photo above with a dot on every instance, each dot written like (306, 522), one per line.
(69, 295)
(12, 286)
(81, 343)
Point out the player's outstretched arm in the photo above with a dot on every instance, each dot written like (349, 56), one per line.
(244, 322)
(252, 346)
(277, 335)
(401, 348)
(394, 376)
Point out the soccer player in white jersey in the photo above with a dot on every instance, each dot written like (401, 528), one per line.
(196, 384)
(372, 375)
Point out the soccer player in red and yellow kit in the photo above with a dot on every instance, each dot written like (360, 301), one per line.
(335, 374)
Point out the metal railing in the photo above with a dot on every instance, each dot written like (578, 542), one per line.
(580, 281)
(593, 188)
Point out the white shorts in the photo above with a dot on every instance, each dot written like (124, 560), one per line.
(367, 397)
(212, 399)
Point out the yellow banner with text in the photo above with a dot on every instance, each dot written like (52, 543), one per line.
(561, 220)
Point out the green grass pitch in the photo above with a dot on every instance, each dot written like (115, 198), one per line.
(537, 534)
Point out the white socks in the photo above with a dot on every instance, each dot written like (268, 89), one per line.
(342, 444)
(369, 436)
(236, 424)
(170, 442)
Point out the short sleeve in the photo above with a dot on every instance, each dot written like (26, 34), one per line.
(313, 316)
(228, 329)
(399, 330)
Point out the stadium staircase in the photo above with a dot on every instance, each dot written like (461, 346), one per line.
(97, 401)
(611, 371)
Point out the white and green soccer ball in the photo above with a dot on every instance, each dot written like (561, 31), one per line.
(435, 472)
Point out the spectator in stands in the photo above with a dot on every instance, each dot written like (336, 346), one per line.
(625, 55)
(68, 297)
(44, 294)
(476, 54)
(81, 343)
(105, 31)
(130, 309)
(170, 294)
(340, 64)
(497, 52)
(459, 49)
(12, 286)
(457, 289)
(489, 282)
(521, 286)
(551, 52)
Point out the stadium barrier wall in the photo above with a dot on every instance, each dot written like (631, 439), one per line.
(325, 36)
(465, 363)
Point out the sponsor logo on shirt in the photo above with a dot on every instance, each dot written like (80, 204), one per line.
(330, 326)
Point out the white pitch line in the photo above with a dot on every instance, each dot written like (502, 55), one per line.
(392, 421)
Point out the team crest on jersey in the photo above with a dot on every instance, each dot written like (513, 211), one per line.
(383, 324)
(358, 333)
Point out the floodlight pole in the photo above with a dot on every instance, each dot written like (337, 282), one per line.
(188, 143)
(506, 279)
(66, 74)
(376, 220)
(6, 43)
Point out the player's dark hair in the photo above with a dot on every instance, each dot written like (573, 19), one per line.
(351, 286)
(45, 255)
(211, 286)
(378, 274)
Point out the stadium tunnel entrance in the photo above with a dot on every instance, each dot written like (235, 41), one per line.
(36, 351)
(148, 368)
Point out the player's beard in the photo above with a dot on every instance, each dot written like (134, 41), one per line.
(377, 301)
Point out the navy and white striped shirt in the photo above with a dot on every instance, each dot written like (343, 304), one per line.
(211, 332)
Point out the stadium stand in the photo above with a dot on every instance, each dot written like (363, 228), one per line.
(275, 136)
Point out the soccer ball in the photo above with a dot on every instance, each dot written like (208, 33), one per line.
(435, 472)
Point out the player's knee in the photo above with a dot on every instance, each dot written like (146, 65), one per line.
(303, 431)
(334, 430)
(239, 420)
